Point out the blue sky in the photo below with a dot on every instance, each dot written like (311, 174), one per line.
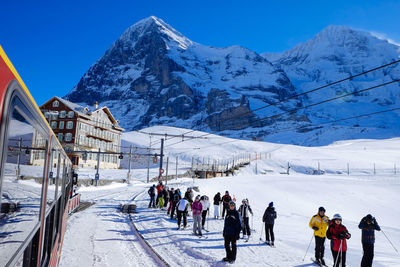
(53, 43)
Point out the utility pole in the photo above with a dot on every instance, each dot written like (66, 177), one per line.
(176, 168)
(161, 159)
(97, 176)
(166, 173)
(148, 162)
(128, 178)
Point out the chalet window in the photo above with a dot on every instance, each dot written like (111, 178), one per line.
(61, 125)
(60, 137)
(70, 124)
(68, 137)
(47, 115)
(63, 113)
(53, 124)
(71, 114)
(56, 104)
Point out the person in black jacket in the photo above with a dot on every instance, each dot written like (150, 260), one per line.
(152, 194)
(217, 202)
(225, 203)
(269, 220)
(175, 201)
(165, 195)
(244, 211)
(231, 233)
(368, 225)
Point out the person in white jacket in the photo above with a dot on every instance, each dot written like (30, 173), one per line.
(182, 209)
(205, 203)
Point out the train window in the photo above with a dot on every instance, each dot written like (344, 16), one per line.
(21, 186)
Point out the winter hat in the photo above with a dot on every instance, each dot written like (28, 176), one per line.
(337, 216)
(369, 217)
(271, 204)
(197, 197)
(321, 209)
(154, 185)
(231, 203)
(244, 200)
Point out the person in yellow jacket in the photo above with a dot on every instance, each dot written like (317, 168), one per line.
(319, 223)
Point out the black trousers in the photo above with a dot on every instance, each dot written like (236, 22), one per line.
(203, 217)
(319, 247)
(225, 208)
(230, 247)
(339, 257)
(173, 210)
(158, 195)
(152, 202)
(179, 215)
(269, 230)
(368, 255)
(246, 227)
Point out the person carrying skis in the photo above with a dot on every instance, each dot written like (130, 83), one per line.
(182, 209)
(206, 208)
(152, 194)
(176, 199)
(269, 220)
(319, 223)
(368, 225)
(338, 234)
(217, 202)
(197, 208)
(244, 211)
(225, 203)
(159, 187)
(231, 232)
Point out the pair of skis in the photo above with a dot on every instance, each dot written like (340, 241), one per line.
(318, 263)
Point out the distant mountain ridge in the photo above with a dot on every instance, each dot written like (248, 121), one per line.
(153, 75)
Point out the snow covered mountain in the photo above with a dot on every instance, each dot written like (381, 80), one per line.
(153, 75)
(336, 53)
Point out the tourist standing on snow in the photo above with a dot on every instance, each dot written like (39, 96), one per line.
(160, 187)
(176, 199)
(225, 203)
(338, 234)
(319, 223)
(182, 209)
(189, 196)
(368, 225)
(197, 208)
(269, 221)
(244, 211)
(165, 196)
(231, 232)
(171, 200)
(217, 202)
(152, 195)
(206, 208)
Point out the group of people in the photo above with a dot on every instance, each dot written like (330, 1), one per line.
(335, 231)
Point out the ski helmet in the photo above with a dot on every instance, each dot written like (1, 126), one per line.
(337, 216)
(271, 204)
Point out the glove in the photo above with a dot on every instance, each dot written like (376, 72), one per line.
(342, 235)
(315, 228)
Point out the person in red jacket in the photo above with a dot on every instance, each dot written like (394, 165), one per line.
(338, 234)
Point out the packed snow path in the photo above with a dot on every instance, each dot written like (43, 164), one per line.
(101, 235)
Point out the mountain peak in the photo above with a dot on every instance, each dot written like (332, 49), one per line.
(154, 25)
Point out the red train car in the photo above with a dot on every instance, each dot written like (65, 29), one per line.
(35, 178)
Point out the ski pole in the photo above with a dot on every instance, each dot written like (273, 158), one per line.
(309, 244)
(339, 253)
(208, 218)
(390, 241)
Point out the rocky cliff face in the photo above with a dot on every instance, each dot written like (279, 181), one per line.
(153, 75)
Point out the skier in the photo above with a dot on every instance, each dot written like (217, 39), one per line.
(225, 203)
(231, 232)
(368, 225)
(152, 194)
(189, 196)
(217, 202)
(319, 223)
(182, 209)
(165, 195)
(171, 200)
(197, 208)
(160, 187)
(244, 210)
(269, 220)
(206, 208)
(176, 199)
(338, 234)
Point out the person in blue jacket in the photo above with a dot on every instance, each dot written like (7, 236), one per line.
(231, 233)
(368, 225)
